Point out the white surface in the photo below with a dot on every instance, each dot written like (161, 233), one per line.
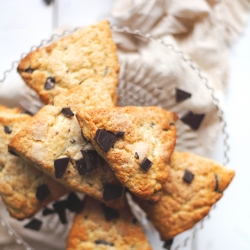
(27, 22)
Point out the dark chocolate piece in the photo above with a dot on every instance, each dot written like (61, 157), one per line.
(67, 112)
(109, 213)
(104, 139)
(146, 164)
(119, 134)
(29, 70)
(90, 157)
(11, 151)
(42, 192)
(48, 211)
(60, 208)
(103, 242)
(73, 203)
(136, 155)
(216, 189)
(181, 95)
(34, 224)
(134, 221)
(7, 130)
(50, 83)
(111, 192)
(81, 166)
(188, 176)
(48, 2)
(167, 245)
(193, 120)
(60, 166)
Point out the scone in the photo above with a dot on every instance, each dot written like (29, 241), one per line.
(23, 188)
(88, 52)
(137, 143)
(100, 228)
(193, 186)
(53, 142)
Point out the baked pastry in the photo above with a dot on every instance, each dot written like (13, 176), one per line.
(88, 52)
(137, 143)
(23, 188)
(53, 142)
(100, 228)
(193, 186)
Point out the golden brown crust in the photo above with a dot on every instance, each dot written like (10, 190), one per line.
(90, 225)
(86, 53)
(51, 135)
(149, 131)
(18, 179)
(183, 205)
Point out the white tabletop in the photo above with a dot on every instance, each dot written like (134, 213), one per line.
(25, 23)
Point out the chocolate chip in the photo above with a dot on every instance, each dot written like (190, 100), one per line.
(42, 192)
(181, 95)
(29, 70)
(81, 166)
(60, 166)
(50, 83)
(188, 176)
(193, 120)
(11, 151)
(67, 112)
(60, 208)
(48, 211)
(72, 141)
(34, 224)
(90, 157)
(109, 213)
(216, 189)
(146, 164)
(119, 134)
(73, 203)
(136, 155)
(167, 245)
(104, 139)
(103, 242)
(134, 221)
(111, 191)
(7, 130)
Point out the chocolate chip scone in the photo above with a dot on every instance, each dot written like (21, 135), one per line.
(100, 228)
(86, 53)
(193, 186)
(23, 188)
(137, 143)
(53, 142)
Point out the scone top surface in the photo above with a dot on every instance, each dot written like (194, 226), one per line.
(140, 157)
(88, 52)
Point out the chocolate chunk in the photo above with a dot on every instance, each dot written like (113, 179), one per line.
(42, 192)
(109, 213)
(73, 203)
(11, 151)
(103, 242)
(146, 164)
(48, 211)
(7, 130)
(188, 176)
(34, 224)
(167, 245)
(193, 120)
(81, 166)
(119, 134)
(136, 155)
(111, 191)
(60, 166)
(67, 112)
(50, 83)
(29, 70)
(134, 221)
(90, 157)
(60, 208)
(104, 139)
(181, 95)
(216, 189)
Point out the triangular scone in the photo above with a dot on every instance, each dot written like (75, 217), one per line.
(193, 186)
(88, 52)
(137, 144)
(23, 188)
(54, 133)
(98, 228)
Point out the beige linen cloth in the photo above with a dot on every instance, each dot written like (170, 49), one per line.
(204, 30)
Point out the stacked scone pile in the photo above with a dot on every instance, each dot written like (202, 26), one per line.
(80, 141)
